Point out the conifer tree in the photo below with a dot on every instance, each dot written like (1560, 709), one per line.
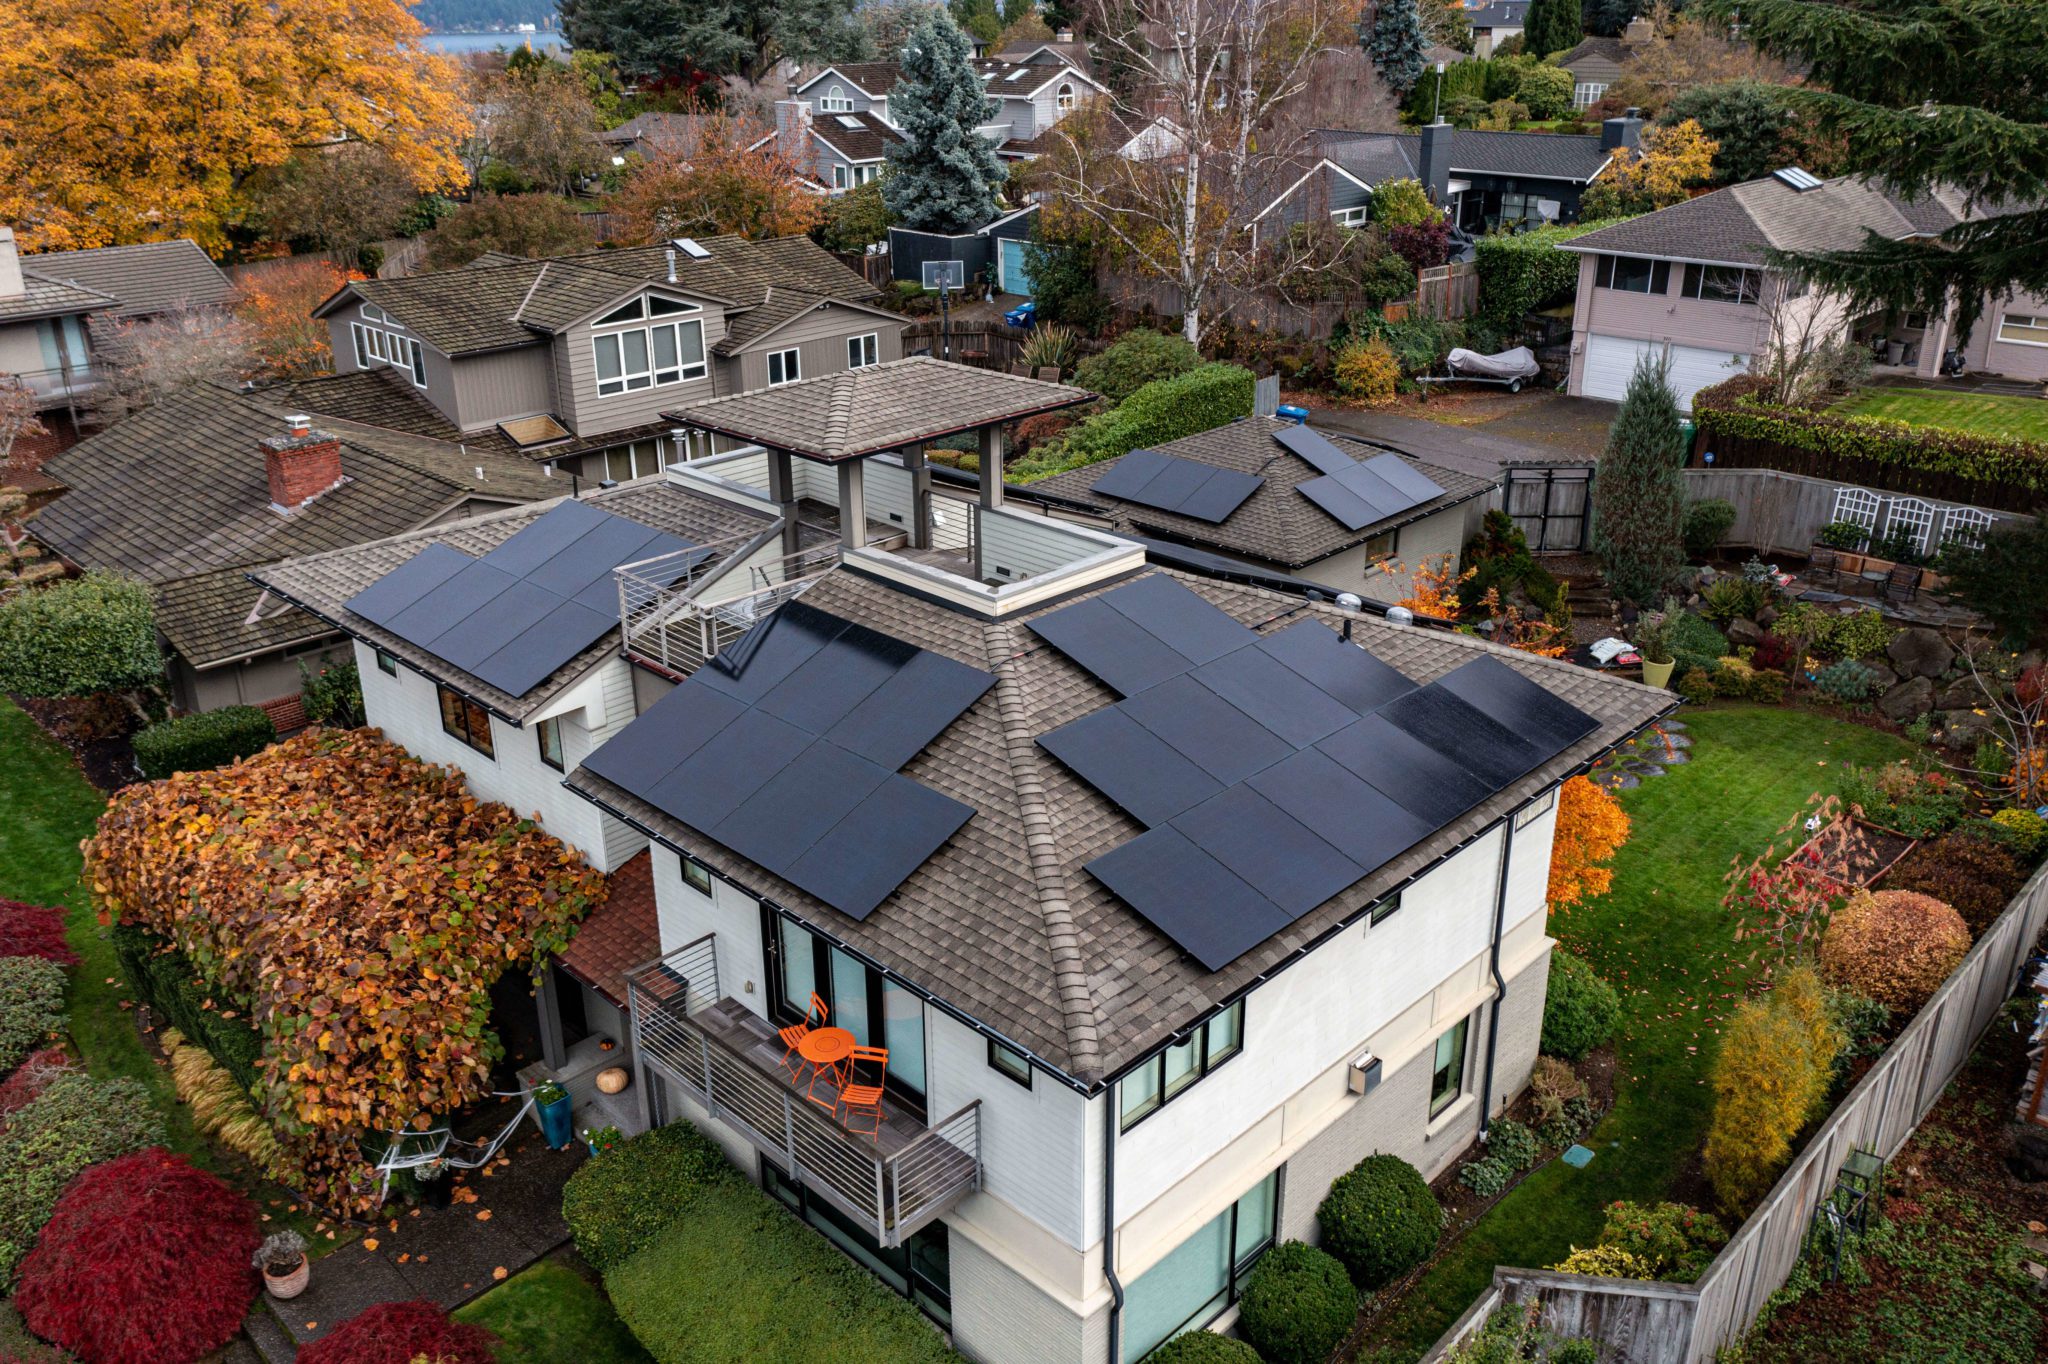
(1638, 503)
(1551, 26)
(945, 174)
(1394, 42)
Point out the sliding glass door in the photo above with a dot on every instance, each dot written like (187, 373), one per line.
(877, 1011)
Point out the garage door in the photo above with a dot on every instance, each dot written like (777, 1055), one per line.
(1610, 360)
(1012, 277)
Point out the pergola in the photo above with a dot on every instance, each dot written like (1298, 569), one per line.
(900, 407)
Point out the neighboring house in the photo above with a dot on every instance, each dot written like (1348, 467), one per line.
(1064, 49)
(1691, 285)
(654, 134)
(1268, 508)
(190, 494)
(1596, 63)
(1494, 24)
(1139, 136)
(998, 251)
(571, 360)
(1032, 95)
(834, 153)
(1487, 181)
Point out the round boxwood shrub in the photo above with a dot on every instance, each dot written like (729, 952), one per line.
(144, 1261)
(1380, 1219)
(402, 1332)
(31, 1006)
(1893, 946)
(1298, 1305)
(1203, 1347)
(192, 743)
(617, 1205)
(1580, 1011)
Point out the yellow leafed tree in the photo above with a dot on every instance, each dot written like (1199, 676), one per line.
(140, 120)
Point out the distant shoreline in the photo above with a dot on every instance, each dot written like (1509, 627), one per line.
(485, 41)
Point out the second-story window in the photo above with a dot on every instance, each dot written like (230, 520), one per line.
(1063, 99)
(696, 875)
(359, 336)
(875, 1009)
(417, 359)
(635, 349)
(784, 367)
(835, 101)
(861, 351)
(1723, 284)
(1167, 1075)
(1010, 1062)
(464, 719)
(1349, 217)
(1536, 809)
(1633, 274)
(386, 664)
(548, 734)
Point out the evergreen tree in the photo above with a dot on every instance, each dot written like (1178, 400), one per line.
(978, 19)
(1394, 42)
(656, 38)
(1925, 93)
(1638, 499)
(946, 174)
(1609, 17)
(1551, 26)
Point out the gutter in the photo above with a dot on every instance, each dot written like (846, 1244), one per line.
(1116, 1286)
(1500, 985)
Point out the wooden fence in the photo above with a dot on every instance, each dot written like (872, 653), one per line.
(992, 345)
(1448, 291)
(1744, 452)
(1781, 513)
(1689, 1323)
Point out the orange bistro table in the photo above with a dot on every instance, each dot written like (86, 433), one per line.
(825, 1048)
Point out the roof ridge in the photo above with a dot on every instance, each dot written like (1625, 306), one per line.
(839, 411)
(1083, 1026)
(528, 298)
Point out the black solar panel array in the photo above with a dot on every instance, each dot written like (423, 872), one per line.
(1274, 771)
(527, 607)
(1173, 484)
(785, 748)
(1356, 493)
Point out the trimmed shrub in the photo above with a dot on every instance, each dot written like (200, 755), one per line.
(1520, 273)
(333, 696)
(2024, 831)
(1380, 1219)
(1164, 410)
(1608, 1262)
(1696, 686)
(78, 637)
(1298, 1305)
(161, 976)
(1772, 1071)
(1203, 1347)
(1862, 1022)
(144, 1261)
(402, 1333)
(1893, 946)
(1695, 643)
(1033, 432)
(1677, 1241)
(1367, 372)
(1706, 521)
(1580, 1010)
(1513, 1143)
(34, 931)
(1974, 876)
(1860, 634)
(76, 1122)
(194, 743)
(31, 1006)
(1486, 1177)
(615, 1206)
(35, 1074)
(1135, 359)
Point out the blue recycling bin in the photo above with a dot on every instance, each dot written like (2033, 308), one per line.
(1290, 412)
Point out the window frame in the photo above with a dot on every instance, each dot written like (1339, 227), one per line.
(2033, 322)
(872, 1006)
(1439, 1104)
(416, 362)
(841, 175)
(1536, 809)
(376, 339)
(386, 664)
(1586, 94)
(541, 730)
(835, 101)
(1657, 280)
(372, 313)
(359, 340)
(1383, 909)
(462, 725)
(788, 356)
(1749, 284)
(1239, 1269)
(631, 450)
(696, 875)
(1358, 215)
(618, 324)
(1066, 98)
(1374, 558)
(1203, 1062)
(1009, 1062)
(864, 351)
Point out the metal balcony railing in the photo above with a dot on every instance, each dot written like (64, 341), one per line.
(677, 614)
(727, 1059)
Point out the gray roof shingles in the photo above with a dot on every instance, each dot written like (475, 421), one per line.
(148, 277)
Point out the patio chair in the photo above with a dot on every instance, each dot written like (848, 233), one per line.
(1049, 374)
(1902, 583)
(1824, 568)
(857, 1096)
(793, 1035)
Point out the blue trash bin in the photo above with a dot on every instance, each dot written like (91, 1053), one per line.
(1297, 415)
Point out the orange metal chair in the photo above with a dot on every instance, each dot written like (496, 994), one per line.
(857, 1096)
(795, 1033)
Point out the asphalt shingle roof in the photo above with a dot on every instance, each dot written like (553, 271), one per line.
(42, 297)
(1559, 156)
(870, 141)
(148, 277)
(1003, 922)
(1276, 524)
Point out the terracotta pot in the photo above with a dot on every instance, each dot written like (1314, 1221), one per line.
(1658, 674)
(289, 1284)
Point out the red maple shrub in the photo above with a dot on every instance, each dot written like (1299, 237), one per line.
(34, 931)
(400, 1332)
(145, 1261)
(28, 1082)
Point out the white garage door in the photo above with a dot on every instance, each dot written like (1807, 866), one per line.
(1610, 360)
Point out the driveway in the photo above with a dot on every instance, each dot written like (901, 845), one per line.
(1477, 434)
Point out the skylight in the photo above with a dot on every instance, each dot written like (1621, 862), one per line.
(1799, 180)
(849, 121)
(688, 246)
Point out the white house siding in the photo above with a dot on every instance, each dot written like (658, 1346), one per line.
(589, 414)
(1444, 532)
(820, 338)
(407, 708)
(2015, 360)
(502, 384)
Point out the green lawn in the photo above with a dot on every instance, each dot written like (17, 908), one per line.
(1982, 414)
(1662, 938)
(552, 1311)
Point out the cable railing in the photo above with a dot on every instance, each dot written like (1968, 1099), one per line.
(725, 1057)
(678, 610)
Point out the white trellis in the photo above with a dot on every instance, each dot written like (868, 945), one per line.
(1857, 506)
(1965, 526)
(1909, 514)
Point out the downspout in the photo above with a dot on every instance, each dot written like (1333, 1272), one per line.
(1116, 1287)
(1500, 986)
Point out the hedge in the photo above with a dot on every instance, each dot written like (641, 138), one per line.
(1380, 1219)
(80, 637)
(737, 1277)
(1580, 1010)
(1203, 1347)
(1519, 273)
(193, 743)
(163, 978)
(1298, 1305)
(1732, 410)
(77, 1122)
(31, 1007)
(1136, 358)
(1163, 410)
(615, 1206)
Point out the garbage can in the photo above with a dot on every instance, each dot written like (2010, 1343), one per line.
(1290, 412)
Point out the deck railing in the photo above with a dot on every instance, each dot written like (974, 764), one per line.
(678, 614)
(891, 1189)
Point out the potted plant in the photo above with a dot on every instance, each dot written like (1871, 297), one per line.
(436, 1190)
(1653, 642)
(602, 1139)
(553, 1106)
(282, 1260)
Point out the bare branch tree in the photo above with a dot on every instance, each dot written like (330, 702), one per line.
(1809, 352)
(142, 361)
(17, 415)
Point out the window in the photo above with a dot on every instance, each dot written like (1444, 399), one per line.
(647, 356)
(464, 719)
(549, 735)
(359, 336)
(376, 340)
(1447, 1076)
(863, 174)
(386, 664)
(1633, 274)
(1536, 809)
(876, 1010)
(920, 1269)
(1165, 1076)
(1587, 93)
(1010, 1062)
(1386, 909)
(373, 313)
(419, 364)
(1349, 217)
(1202, 1275)
(635, 460)
(838, 177)
(860, 351)
(1723, 284)
(1063, 99)
(835, 101)
(784, 367)
(2023, 330)
(696, 875)
(1381, 547)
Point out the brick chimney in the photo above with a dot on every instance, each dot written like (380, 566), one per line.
(1640, 30)
(1436, 162)
(1626, 131)
(302, 464)
(11, 285)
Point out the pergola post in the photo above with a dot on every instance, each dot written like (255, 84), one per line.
(782, 492)
(991, 465)
(853, 505)
(920, 496)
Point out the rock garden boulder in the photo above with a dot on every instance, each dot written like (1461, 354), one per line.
(1908, 700)
(1742, 630)
(1920, 652)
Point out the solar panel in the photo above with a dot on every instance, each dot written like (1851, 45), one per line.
(1315, 447)
(1127, 476)
(1344, 671)
(1146, 776)
(1184, 621)
(1275, 695)
(407, 583)
(785, 749)
(1207, 910)
(1172, 484)
(1207, 730)
(1266, 847)
(1110, 645)
(1422, 781)
(1406, 479)
(1356, 494)
(1487, 750)
(1225, 491)
(1502, 694)
(1344, 507)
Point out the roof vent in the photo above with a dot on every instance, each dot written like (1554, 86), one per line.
(1800, 180)
(688, 246)
(1400, 615)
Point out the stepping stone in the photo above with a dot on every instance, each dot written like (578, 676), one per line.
(1673, 741)
(1578, 1157)
(1677, 758)
(1673, 726)
(1625, 781)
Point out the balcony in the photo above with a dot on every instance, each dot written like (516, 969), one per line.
(728, 1059)
(59, 386)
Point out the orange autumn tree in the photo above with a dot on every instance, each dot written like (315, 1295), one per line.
(276, 307)
(1591, 827)
(721, 184)
(135, 120)
(1436, 585)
